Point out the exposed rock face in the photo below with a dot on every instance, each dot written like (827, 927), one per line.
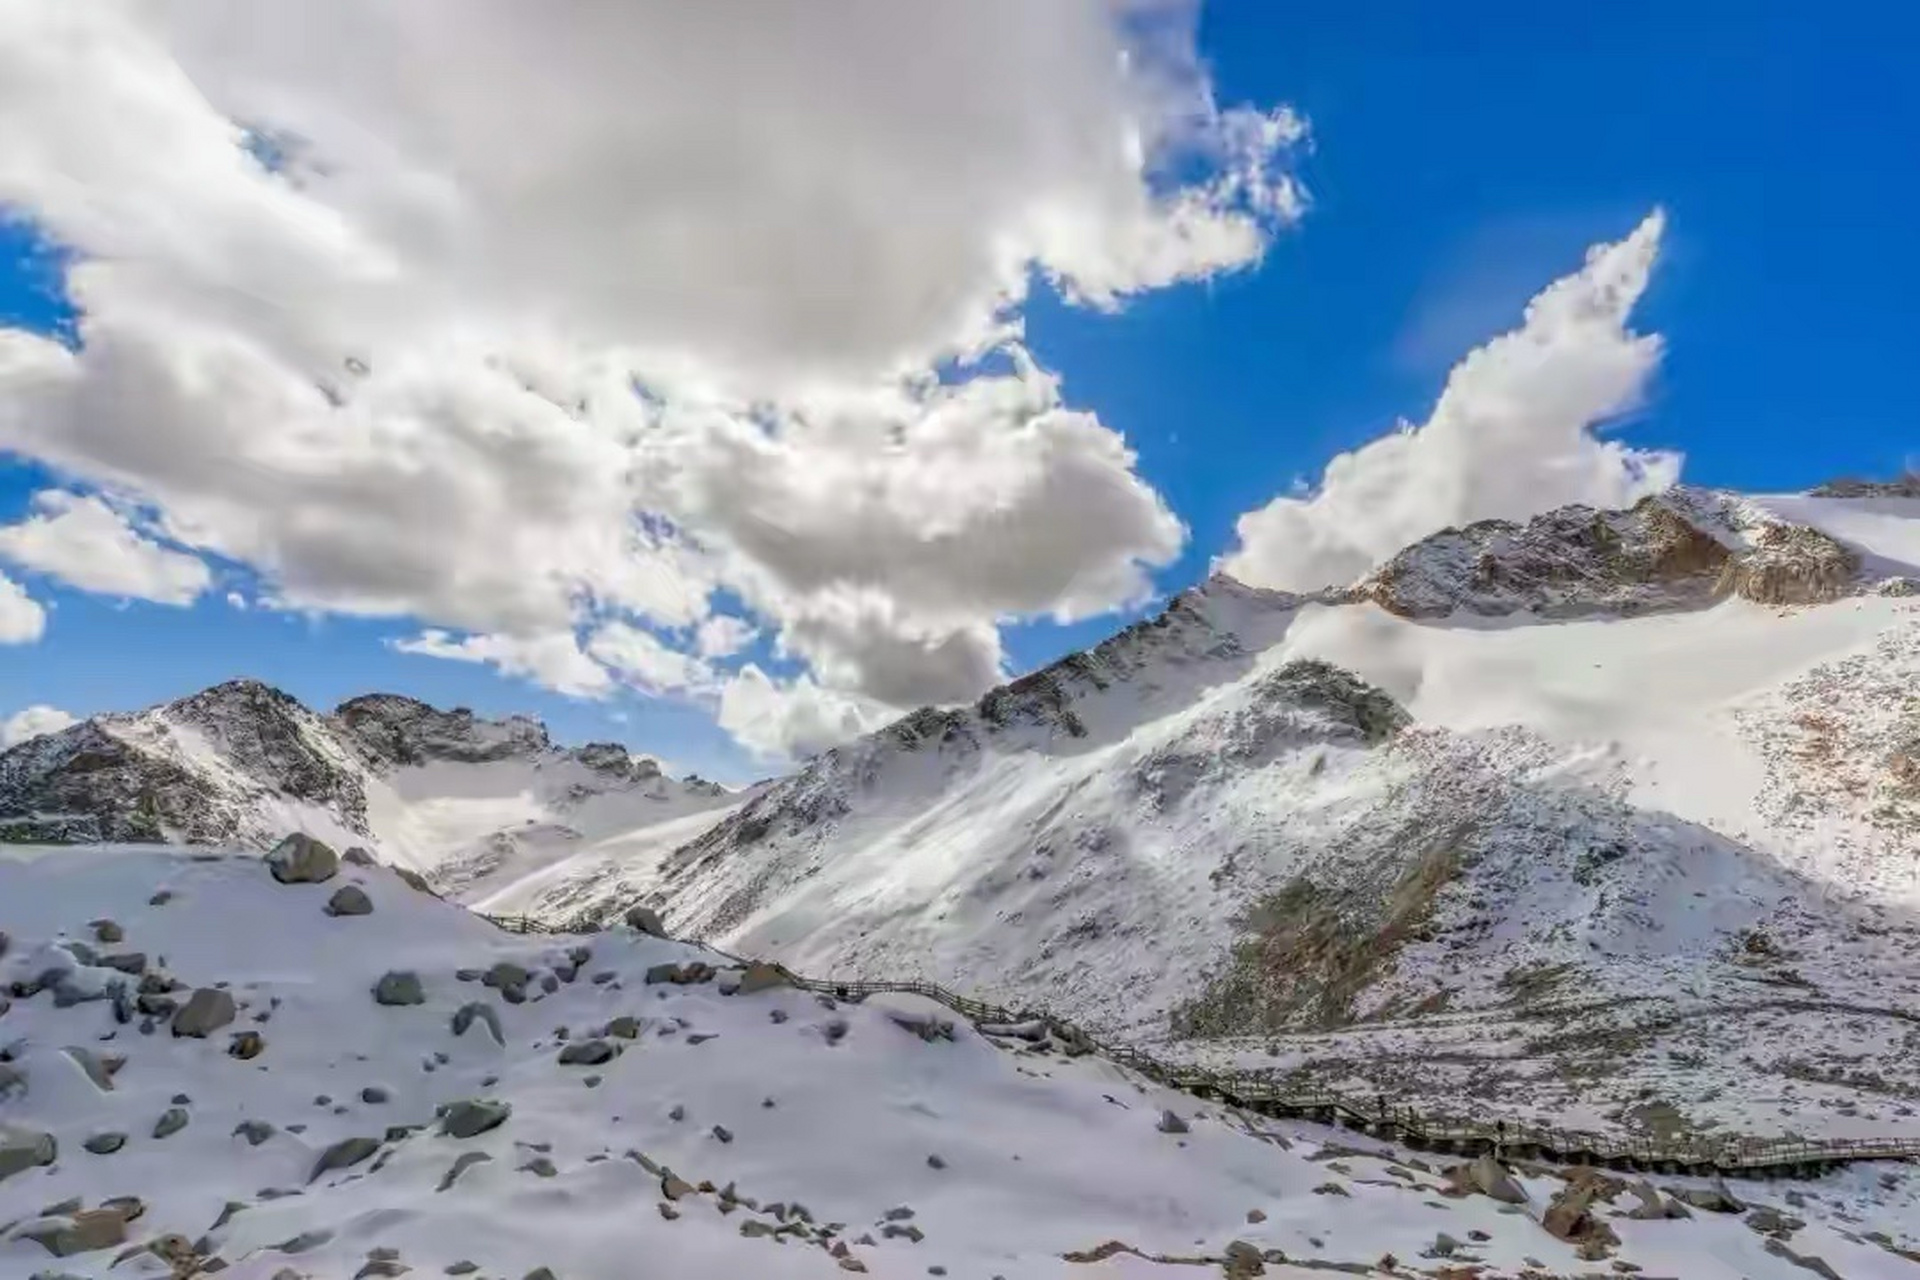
(389, 729)
(1791, 564)
(1569, 561)
(142, 777)
(1905, 486)
(212, 768)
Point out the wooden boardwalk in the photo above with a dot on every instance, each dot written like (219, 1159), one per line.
(1377, 1114)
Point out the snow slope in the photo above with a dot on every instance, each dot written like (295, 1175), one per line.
(1206, 829)
(911, 1156)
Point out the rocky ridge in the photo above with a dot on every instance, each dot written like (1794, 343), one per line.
(230, 764)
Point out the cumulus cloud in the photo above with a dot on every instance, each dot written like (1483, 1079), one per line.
(722, 636)
(537, 318)
(22, 620)
(1511, 436)
(553, 659)
(783, 719)
(32, 722)
(644, 661)
(83, 542)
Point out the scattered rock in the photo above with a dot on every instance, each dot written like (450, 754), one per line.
(646, 920)
(1714, 1199)
(343, 1154)
(1819, 1266)
(246, 1045)
(1171, 1123)
(399, 987)
(473, 1116)
(171, 1121)
(626, 1027)
(681, 974)
(1331, 1189)
(465, 1016)
(722, 1133)
(349, 900)
(1769, 1221)
(936, 1162)
(105, 1144)
(98, 1069)
(23, 1149)
(674, 1187)
(254, 1131)
(206, 1010)
(1256, 1215)
(300, 859)
(461, 1163)
(1242, 1261)
(505, 974)
(83, 1232)
(106, 931)
(1490, 1178)
(128, 962)
(761, 977)
(587, 1053)
(373, 1095)
(540, 1167)
(462, 1268)
(160, 898)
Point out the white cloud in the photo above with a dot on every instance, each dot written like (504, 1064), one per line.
(554, 659)
(1511, 436)
(22, 620)
(31, 722)
(397, 377)
(723, 635)
(85, 543)
(783, 720)
(643, 661)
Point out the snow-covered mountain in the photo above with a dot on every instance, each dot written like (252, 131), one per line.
(1656, 761)
(1536, 809)
(468, 802)
(208, 1071)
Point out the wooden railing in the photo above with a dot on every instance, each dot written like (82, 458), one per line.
(1377, 1114)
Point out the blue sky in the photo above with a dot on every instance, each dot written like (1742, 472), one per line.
(1461, 158)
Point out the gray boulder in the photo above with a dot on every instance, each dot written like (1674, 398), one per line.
(98, 1070)
(23, 1149)
(206, 1010)
(300, 859)
(473, 1116)
(461, 1163)
(586, 1053)
(171, 1121)
(83, 1232)
(343, 1154)
(105, 1144)
(349, 900)
(397, 987)
(1490, 1178)
(1171, 1123)
(646, 920)
(475, 1010)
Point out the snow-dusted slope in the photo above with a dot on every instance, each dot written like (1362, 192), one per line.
(472, 803)
(619, 1128)
(1597, 776)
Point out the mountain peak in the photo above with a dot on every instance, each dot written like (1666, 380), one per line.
(393, 729)
(1683, 549)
